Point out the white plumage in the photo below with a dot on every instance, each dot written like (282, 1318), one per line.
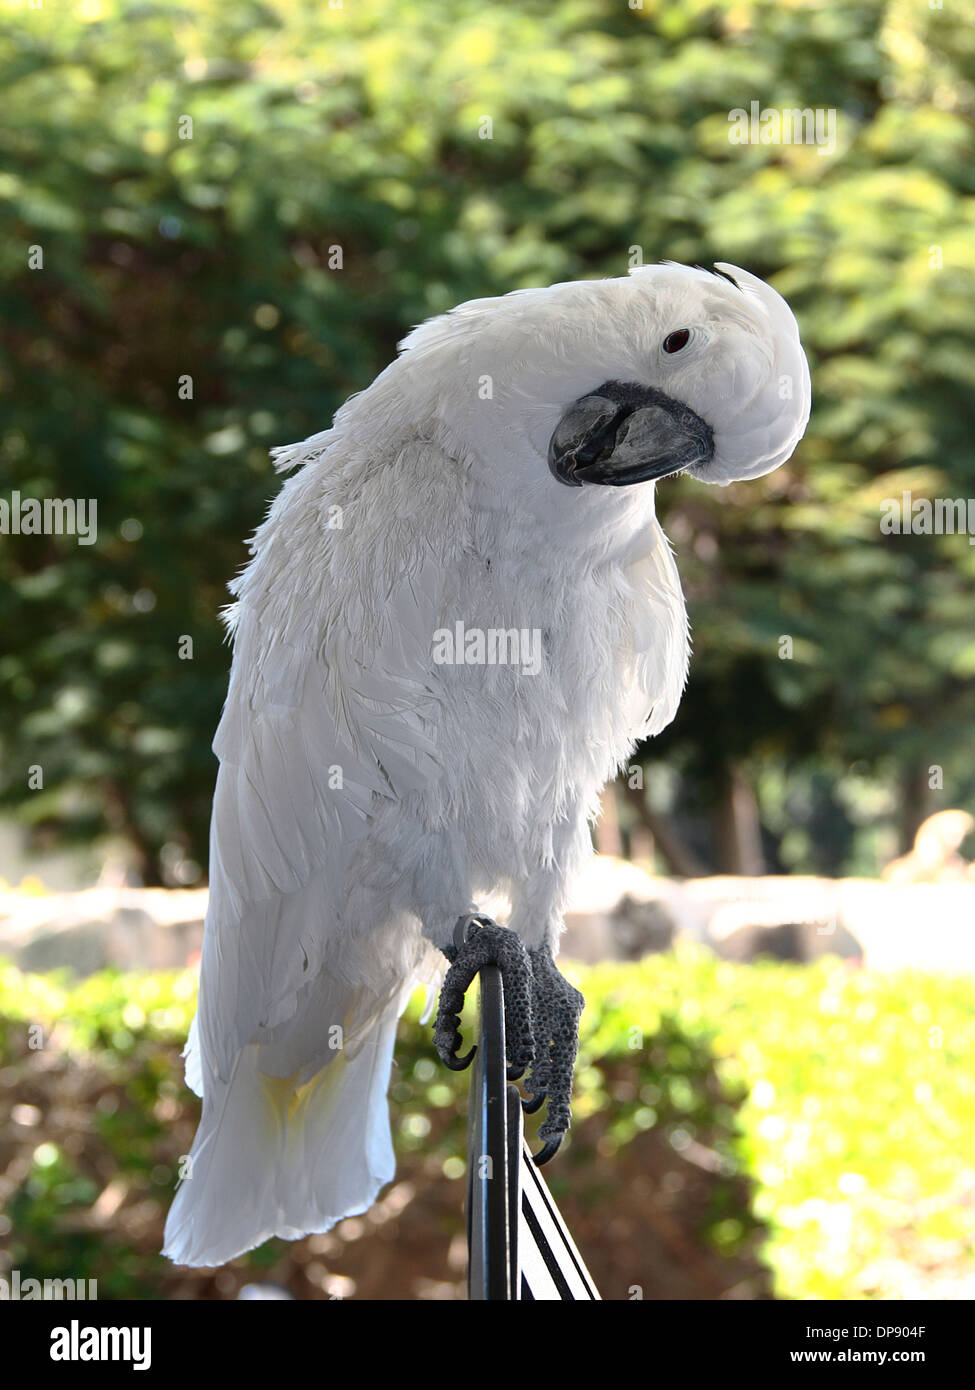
(366, 795)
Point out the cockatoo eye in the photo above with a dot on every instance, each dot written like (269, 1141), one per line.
(677, 340)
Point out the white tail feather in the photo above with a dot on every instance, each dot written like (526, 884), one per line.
(273, 1157)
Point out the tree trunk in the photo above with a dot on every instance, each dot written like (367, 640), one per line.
(120, 816)
(681, 861)
(737, 827)
(915, 804)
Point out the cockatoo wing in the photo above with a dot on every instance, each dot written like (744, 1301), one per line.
(331, 709)
(659, 632)
(330, 706)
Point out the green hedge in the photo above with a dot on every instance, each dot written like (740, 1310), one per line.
(833, 1107)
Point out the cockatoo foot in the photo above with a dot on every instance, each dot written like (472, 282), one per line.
(556, 1008)
(541, 1018)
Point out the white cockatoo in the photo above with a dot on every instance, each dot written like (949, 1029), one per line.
(460, 617)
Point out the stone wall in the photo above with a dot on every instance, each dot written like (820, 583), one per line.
(618, 912)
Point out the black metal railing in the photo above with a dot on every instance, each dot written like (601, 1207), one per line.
(519, 1248)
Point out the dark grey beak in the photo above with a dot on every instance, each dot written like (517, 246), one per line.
(623, 433)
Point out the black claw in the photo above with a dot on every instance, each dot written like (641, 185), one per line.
(464, 928)
(530, 1107)
(456, 1063)
(547, 1152)
(515, 1073)
(446, 1039)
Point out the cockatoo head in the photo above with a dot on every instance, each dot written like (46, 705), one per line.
(713, 381)
(612, 383)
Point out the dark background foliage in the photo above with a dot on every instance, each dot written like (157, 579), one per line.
(360, 128)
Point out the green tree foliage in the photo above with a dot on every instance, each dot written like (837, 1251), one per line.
(262, 198)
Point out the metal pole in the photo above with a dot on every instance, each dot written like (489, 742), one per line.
(492, 1179)
(518, 1245)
